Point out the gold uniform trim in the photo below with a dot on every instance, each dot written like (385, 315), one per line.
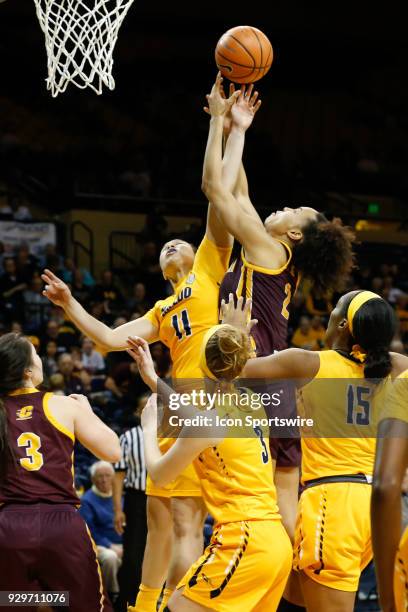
(53, 420)
(272, 272)
(23, 391)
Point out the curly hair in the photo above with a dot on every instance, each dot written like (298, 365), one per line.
(325, 254)
(227, 352)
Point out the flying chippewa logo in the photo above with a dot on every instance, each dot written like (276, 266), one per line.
(25, 413)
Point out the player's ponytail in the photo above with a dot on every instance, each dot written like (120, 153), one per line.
(227, 352)
(373, 329)
(325, 255)
(15, 358)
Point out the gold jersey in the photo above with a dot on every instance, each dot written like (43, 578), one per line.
(184, 317)
(236, 474)
(345, 409)
(396, 402)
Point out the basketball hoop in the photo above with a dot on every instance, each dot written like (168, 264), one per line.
(80, 37)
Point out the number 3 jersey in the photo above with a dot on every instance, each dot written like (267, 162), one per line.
(271, 292)
(345, 409)
(41, 466)
(236, 474)
(184, 317)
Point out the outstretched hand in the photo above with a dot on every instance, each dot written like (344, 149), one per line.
(149, 414)
(238, 315)
(55, 289)
(218, 104)
(245, 107)
(139, 351)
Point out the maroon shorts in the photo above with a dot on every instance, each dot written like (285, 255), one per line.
(47, 547)
(286, 452)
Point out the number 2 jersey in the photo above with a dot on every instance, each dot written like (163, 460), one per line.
(41, 466)
(184, 317)
(271, 292)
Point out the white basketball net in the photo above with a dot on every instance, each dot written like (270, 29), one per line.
(80, 36)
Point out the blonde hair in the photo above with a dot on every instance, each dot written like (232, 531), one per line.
(227, 351)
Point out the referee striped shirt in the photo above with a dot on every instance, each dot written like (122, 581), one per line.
(132, 460)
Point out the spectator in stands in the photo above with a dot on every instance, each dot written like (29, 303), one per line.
(49, 360)
(377, 284)
(56, 384)
(23, 214)
(26, 264)
(51, 258)
(125, 383)
(52, 333)
(318, 330)
(68, 273)
(138, 301)
(79, 288)
(97, 510)
(12, 287)
(149, 271)
(304, 337)
(2, 252)
(91, 360)
(402, 314)
(108, 292)
(72, 380)
(316, 305)
(36, 306)
(130, 519)
(389, 292)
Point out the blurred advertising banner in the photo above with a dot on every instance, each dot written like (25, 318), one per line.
(36, 235)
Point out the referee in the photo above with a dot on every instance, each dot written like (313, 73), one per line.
(130, 481)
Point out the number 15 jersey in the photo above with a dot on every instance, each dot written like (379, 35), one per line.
(184, 317)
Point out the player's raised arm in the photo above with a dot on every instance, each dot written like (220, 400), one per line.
(163, 468)
(246, 228)
(105, 337)
(240, 119)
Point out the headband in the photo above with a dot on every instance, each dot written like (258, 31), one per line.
(203, 359)
(356, 303)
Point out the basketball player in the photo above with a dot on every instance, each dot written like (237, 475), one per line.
(333, 534)
(180, 322)
(290, 243)
(390, 550)
(248, 561)
(44, 542)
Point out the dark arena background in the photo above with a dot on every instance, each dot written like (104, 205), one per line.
(92, 186)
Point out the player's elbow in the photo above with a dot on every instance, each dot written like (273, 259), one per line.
(210, 187)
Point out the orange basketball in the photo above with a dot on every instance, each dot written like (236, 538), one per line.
(243, 54)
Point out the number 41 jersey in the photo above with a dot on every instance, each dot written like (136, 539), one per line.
(41, 469)
(184, 317)
(271, 292)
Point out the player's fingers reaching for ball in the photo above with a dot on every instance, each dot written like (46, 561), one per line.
(240, 303)
(231, 89)
(149, 414)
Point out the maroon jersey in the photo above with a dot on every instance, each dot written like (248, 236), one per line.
(271, 292)
(42, 468)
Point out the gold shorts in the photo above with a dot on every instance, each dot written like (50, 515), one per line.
(187, 484)
(245, 567)
(333, 534)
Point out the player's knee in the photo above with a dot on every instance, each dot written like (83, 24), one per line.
(187, 517)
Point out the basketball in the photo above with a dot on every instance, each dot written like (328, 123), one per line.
(244, 54)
